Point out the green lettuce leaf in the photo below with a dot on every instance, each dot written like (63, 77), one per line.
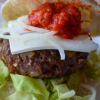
(3, 74)
(28, 96)
(74, 81)
(28, 84)
(2, 82)
(54, 96)
(48, 84)
(57, 81)
(94, 57)
(45, 96)
(62, 91)
(3, 70)
(93, 64)
(21, 96)
(77, 98)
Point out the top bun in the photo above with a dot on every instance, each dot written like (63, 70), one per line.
(12, 9)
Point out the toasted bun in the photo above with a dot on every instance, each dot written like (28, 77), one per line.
(12, 9)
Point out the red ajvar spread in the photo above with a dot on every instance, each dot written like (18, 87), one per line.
(64, 18)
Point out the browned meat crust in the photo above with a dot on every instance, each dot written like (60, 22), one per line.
(42, 63)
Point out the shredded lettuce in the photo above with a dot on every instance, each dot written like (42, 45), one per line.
(3, 74)
(27, 96)
(74, 81)
(45, 96)
(77, 98)
(63, 91)
(22, 96)
(28, 84)
(93, 69)
(2, 82)
(54, 96)
(3, 70)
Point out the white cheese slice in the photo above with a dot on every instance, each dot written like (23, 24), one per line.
(81, 43)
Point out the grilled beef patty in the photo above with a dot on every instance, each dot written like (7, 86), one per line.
(42, 63)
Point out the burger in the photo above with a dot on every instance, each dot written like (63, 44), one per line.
(48, 50)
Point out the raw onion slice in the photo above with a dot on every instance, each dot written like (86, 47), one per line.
(67, 94)
(58, 46)
(92, 89)
(93, 24)
(32, 28)
(28, 36)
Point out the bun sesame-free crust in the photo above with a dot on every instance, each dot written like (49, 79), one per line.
(13, 9)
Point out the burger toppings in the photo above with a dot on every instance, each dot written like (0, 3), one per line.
(23, 41)
(51, 26)
(64, 18)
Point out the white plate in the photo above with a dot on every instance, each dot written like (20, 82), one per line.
(96, 39)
